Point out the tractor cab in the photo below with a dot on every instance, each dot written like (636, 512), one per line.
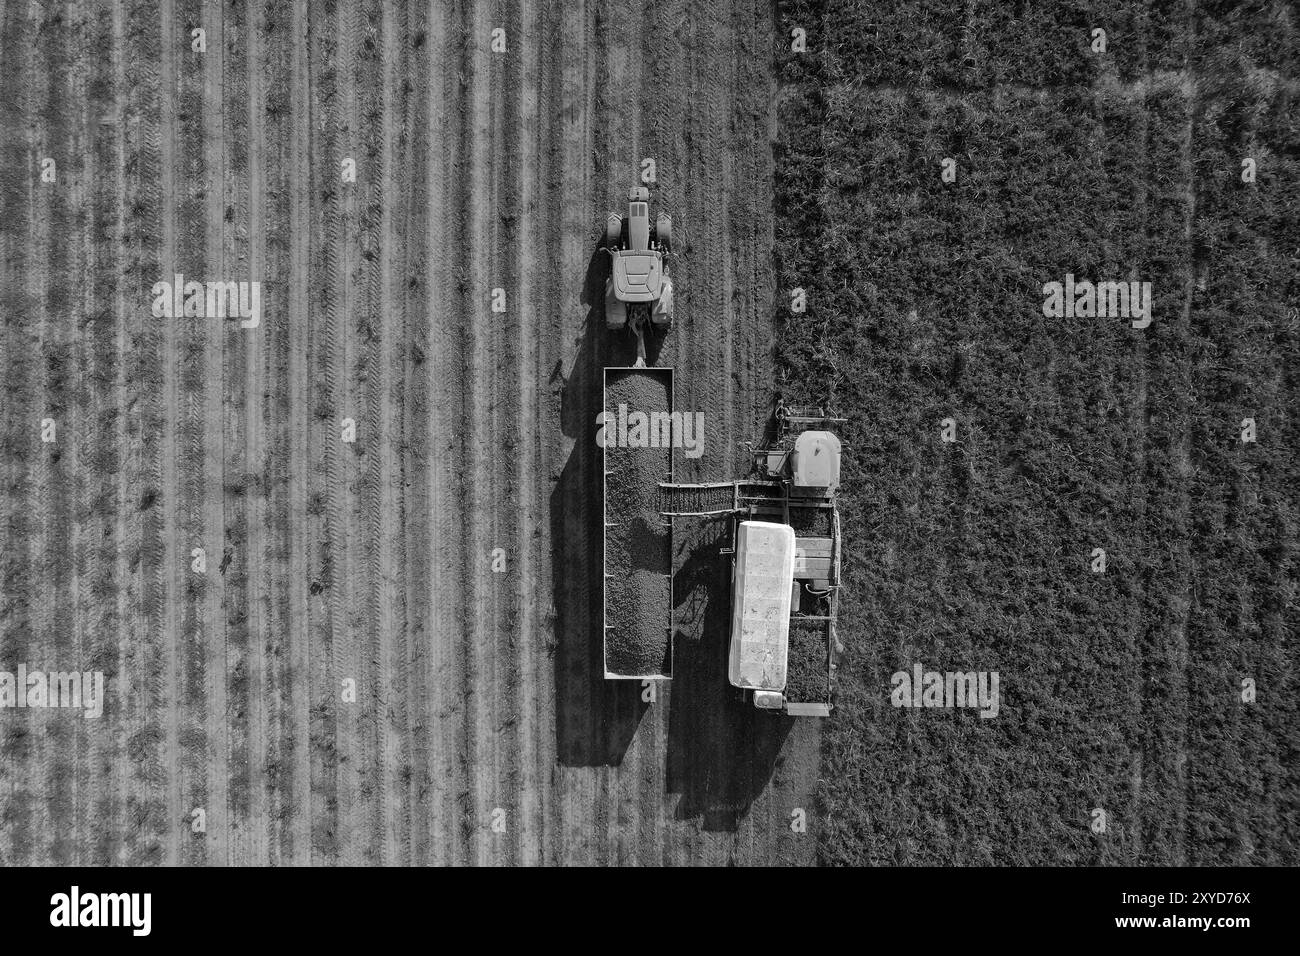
(637, 276)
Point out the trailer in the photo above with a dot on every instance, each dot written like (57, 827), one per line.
(637, 539)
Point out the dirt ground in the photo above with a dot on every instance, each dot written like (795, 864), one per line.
(481, 730)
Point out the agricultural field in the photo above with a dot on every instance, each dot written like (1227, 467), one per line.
(339, 556)
(349, 680)
(1121, 690)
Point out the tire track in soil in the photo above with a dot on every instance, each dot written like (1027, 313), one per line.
(21, 420)
(239, 427)
(512, 355)
(193, 248)
(351, 607)
(32, 277)
(52, 233)
(64, 745)
(518, 342)
(417, 140)
(238, 630)
(269, 353)
(534, 305)
(372, 435)
(77, 740)
(479, 428)
(101, 627)
(115, 648)
(326, 38)
(296, 840)
(211, 635)
(267, 388)
(273, 180)
(149, 806)
(499, 272)
(450, 784)
(169, 571)
(388, 554)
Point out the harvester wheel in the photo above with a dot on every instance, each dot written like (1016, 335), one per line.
(664, 230)
(613, 229)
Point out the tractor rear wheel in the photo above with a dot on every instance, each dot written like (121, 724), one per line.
(661, 313)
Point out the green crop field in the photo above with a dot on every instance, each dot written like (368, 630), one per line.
(1127, 731)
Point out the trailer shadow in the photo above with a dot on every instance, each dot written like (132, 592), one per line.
(722, 753)
(595, 718)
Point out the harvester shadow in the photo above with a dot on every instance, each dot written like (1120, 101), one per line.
(595, 718)
(722, 753)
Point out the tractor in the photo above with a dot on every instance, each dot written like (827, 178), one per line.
(638, 289)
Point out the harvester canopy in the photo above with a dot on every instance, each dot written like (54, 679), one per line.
(760, 623)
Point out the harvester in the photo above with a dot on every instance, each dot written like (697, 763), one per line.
(786, 555)
(638, 291)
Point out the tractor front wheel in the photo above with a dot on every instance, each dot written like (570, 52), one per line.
(664, 230)
(613, 229)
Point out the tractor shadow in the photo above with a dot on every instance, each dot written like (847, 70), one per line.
(595, 718)
(722, 753)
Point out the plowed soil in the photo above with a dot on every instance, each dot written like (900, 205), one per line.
(392, 655)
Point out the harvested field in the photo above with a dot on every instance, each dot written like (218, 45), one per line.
(392, 636)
